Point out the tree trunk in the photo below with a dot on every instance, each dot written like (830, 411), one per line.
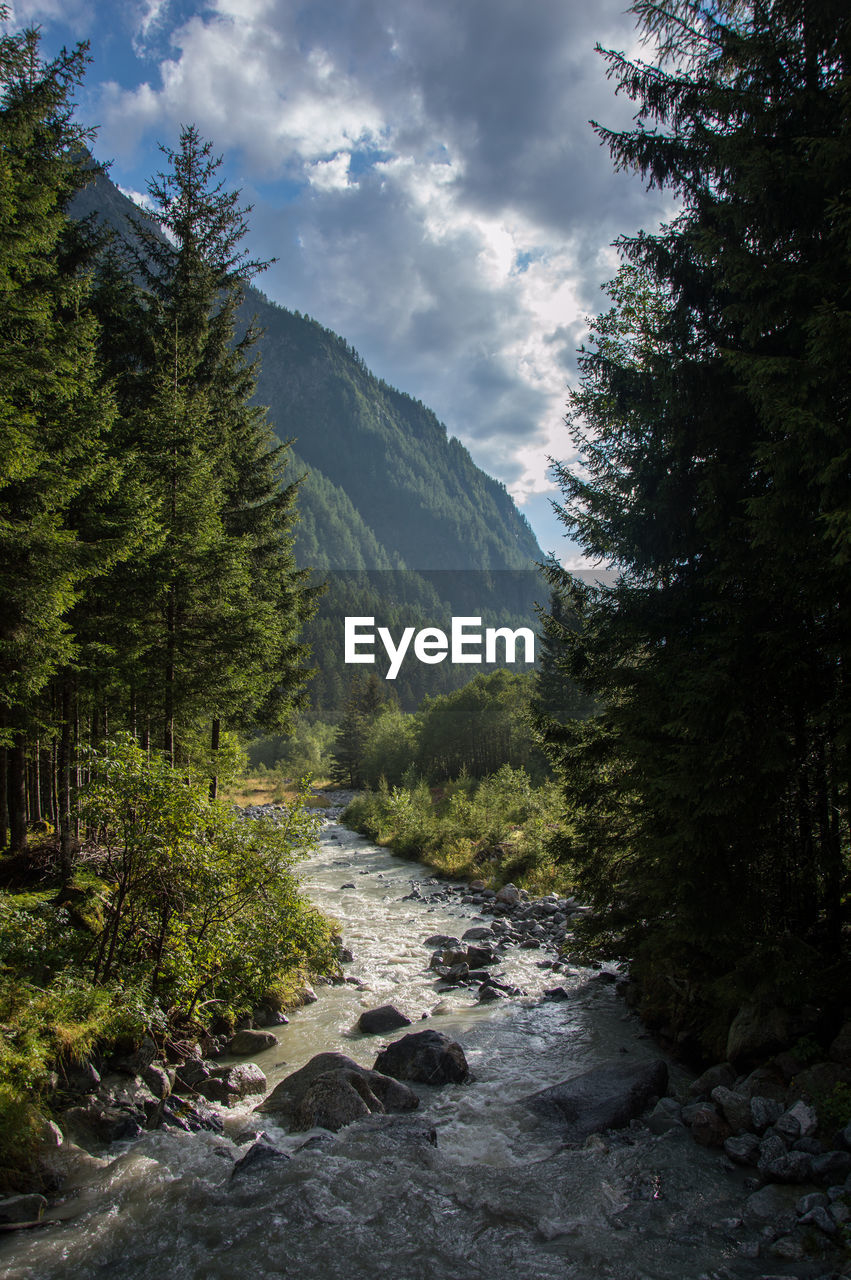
(18, 795)
(215, 742)
(4, 798)
(66, 833)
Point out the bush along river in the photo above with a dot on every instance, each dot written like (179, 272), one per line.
(466, 1105)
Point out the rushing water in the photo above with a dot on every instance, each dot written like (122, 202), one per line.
(498, 1197)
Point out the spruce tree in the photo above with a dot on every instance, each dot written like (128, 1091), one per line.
(54, 411)
(711, 790)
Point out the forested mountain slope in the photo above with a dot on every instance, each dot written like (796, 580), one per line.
(386, 487)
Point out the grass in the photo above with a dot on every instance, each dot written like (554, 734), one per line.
(271, 789)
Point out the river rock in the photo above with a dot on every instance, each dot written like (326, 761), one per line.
(488, 993)
(133, 1064)
(190, 1073)
(756, 1031)
(800, 1121)
(230, 1084)
(25, 1208)
(840, 1049)
(429, 1057)
(259, 1155)
(478, 933)
(288, 1097)
(191, 1117)
(80, 1077)
(772, 1204)
(100, 1122)
(334, 1100)
(475, 957)
(385, 1018)
(158, 1079)
(735, 1108)
(250, 1041)
(441, 940)
(742, 1149)
(832, 1166)
(723, 1073)
(509, 894)
(764, 1112)
(604, 1098)
(708, 1126)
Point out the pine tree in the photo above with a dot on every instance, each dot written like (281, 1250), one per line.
(54, 411)
(711, 794)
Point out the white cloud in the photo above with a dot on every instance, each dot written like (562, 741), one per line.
(455, 209)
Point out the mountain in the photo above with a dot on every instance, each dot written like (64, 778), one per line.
(387, 495)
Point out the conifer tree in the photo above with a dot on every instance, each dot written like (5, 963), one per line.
(711, 791)
(54, 412)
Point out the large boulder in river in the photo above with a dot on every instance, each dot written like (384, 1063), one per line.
(603, 1098)
(385, 1018)
(337, 1093)
(230, 1084)
(429, 1057)
(251, 1041)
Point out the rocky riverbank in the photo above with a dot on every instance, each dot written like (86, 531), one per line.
(755, 1133)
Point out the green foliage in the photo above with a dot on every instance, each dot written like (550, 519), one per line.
(709, 793)
(498, 828)
(200, 901)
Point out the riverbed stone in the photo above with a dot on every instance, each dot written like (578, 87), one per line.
(742, 1148)
(800, 1121)
(478, 933)
(756, 1031)
(509, 895)
(251, 1041)
(23, 1208)
(230, 1084)
(606, 1097)
(832, 1166)
(764, 1113)
(708, 1126)
(334, 1100)
(772, 1204)
(723, 1073)
(191, 1117)
(260, 1155)
(441, 940)
(385, 1018)
(429, 1057)
(735, 1108)
(158, 1079)
(288, 1097)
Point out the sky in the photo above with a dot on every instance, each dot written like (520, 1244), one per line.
(424, 172)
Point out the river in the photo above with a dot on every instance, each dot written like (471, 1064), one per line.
(499, 1196)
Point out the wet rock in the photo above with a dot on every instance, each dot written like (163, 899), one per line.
(756, 1031)
(80, 1077)
(295, 1099)
(385, 1018)
(97, 1122)
(742, 1149)
(26, 1208)
(489, 993)
(821, 1218)
(192, 1117)
(334, 1100)
(260, 1155)
(190, 1074)
(764, 1112)
(306, 995)
(794, 1166)
(230, 1084)
(376, 1133)
(477, 934)
(429, 1057)
(840, 1049)
(800, 1121)
(476, 957)
(735, 1108)
(250, 1041)
(815, 1200)
(765, 1082)
(509, 895)
(708, 1126)
(665, 1116)
(133, 1064)
(771, 1204)
(722, 1074)
(603, 1098)
(158, 1080)
(556, 993)
(286, 1095)
(833, 1166)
